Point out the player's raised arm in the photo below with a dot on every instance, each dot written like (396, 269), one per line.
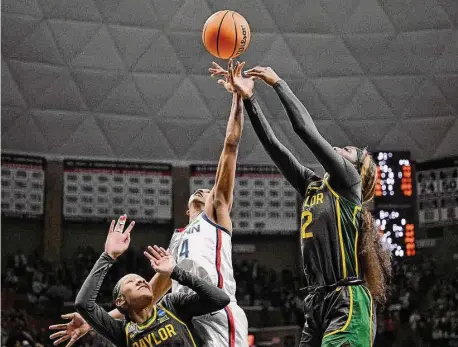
(296, 174)
(339, 169)
(219, 203)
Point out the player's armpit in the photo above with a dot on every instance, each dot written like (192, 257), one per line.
(160, 285)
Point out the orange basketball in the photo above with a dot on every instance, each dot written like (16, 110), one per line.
(226, 34)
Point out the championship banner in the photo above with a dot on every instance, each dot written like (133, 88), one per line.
(105, 189)
(264, 202)
(23, 181)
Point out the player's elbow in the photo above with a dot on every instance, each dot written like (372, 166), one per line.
(82, 305)
(231, 143)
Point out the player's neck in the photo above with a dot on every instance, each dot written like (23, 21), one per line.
(194, 213)
(141, 316)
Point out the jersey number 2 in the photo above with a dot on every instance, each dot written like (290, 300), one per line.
(306, 219)
(184, 249)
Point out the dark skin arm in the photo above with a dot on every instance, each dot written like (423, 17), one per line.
(295, 173)
(219, 202)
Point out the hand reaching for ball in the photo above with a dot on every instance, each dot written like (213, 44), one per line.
(233, 79)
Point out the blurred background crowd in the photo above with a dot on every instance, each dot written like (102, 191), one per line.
(422, 309)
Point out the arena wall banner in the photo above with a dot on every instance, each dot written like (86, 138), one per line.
(264, 202)
(106, 189)
(437, 186)
(23, 181)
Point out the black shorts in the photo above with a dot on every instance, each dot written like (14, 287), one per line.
(342, 317)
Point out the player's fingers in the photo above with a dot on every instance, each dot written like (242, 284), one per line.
(166, 251)
(68, 315)
(120, 224)
(217, 66)
(253, 73)
(58, 327)
(240, 68)
(149, 256)
(62, 339)
(111, 229)
(162, 251)
(254, 69)
(129, 228)
(155, 254)
(58, 334)
(221, 82)
(71, 342)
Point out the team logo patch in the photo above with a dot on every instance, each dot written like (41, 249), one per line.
(133, 330)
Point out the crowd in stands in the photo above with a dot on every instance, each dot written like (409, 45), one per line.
(422, 309)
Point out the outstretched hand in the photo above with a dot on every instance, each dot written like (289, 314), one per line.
(233, 80)
(73, 330)
(161, 260)
(118, 240)
(264, 73)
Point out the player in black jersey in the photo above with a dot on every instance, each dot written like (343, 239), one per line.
(341, 248)
(147, 324)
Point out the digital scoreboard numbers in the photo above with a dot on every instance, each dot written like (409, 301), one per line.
(437, 192)
(100, 190)
(398, 229)
(23, 181)
(264, 202)
(394, 178)
(394, 201)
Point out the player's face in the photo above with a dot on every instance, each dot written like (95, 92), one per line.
(348, 152)
(199, 196)
(136, 290)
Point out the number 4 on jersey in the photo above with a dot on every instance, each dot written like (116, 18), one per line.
(184, 249)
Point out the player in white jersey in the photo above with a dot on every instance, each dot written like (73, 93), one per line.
(203, 247)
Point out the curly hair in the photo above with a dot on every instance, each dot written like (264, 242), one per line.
(376, 259)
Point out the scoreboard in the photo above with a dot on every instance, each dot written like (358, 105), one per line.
(23, 180)
(394, 178)
(264, 202)
(437, 186)
(394, 202)
(102, 189)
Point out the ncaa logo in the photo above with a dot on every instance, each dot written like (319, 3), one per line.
(160, 313)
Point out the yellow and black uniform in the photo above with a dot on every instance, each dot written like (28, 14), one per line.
(170, 322)
(338, 308)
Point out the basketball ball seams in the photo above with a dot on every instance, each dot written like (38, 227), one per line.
(219, 30)
(225, 39)
(236, 32)
(248, 34)
(203, 34)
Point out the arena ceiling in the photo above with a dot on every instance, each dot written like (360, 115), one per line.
(128, 79)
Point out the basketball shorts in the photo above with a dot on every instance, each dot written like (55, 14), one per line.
(225, 328)
(344, 317)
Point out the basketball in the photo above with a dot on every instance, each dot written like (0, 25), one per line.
(226, 34)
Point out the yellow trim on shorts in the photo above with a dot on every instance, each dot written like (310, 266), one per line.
(180, 321)
(339, 228)
(348, 319)
(356, 238)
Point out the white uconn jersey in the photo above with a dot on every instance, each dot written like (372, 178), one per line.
(204, 249)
